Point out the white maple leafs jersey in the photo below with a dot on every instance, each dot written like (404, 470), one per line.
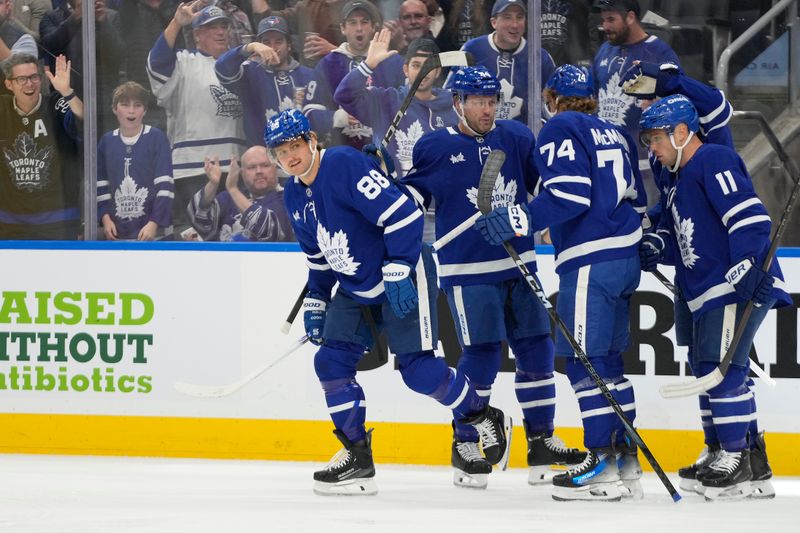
(349, 222)
(714, 219)
(447, 169)
(589, 191)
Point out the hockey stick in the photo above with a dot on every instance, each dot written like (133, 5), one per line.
(754, 366)
(485, 205)
(295, 309)
(217, 391)
(696, 386)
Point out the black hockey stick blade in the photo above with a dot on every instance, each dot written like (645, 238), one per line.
(491, 169)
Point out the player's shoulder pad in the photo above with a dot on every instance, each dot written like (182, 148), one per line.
(718, 156)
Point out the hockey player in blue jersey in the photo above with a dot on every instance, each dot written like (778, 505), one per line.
(356, 228)
(489, 301)
(430, 109)
(265, 76)
(585, 197)
(719, 269)
(134, 172)
(505, 53)
(360, 21)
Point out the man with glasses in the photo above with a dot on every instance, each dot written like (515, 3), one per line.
(413, 22)
(40, 173)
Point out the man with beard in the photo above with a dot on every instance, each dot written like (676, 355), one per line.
(626, 42)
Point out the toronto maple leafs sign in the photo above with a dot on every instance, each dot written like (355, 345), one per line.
(129, 199)
(29, 165)
(503, 194)
(336, 250)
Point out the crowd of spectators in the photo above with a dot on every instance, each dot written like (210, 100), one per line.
(184, 89)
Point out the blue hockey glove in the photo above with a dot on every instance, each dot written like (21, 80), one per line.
(314, 317)
(400, 290)
(505, 223)
(650, 249)
(382, 156)
(646, 80)
(750, 282)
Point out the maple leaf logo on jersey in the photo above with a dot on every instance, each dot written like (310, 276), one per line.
(614, 104)
(336, 250)
(405, 144)
(28, 166)
(228, 104)
(129, 199)
(502, 194)
(684, 229)
(511, 105)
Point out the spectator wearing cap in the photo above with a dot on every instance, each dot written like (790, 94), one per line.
(626, 42)
(265, 76)
(413, 22)
(315, 23)
(504, 52)
(360, 21)
(241, 28)
(430, 109)
(202, 115)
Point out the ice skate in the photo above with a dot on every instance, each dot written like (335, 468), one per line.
(689, 474)
(762, 473)
(595, 479)
(350, 472)
(630, 471)
(494, 429)
(545, 452)
(470, 467)
(728, 477)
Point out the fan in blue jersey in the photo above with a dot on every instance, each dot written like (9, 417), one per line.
(504, 52)
(715, 231)
(356, 228)
(265, 76)
(360, 21)
(430, 109)
(134, 172)
(489, 301)
(585, 197)
(626, 42)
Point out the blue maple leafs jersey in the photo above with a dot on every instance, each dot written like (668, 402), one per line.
(447, 169)
(349, 221)
(134, 182)
(712, 220)
(588, 191)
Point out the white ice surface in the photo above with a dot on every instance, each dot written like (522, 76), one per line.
(56, 494)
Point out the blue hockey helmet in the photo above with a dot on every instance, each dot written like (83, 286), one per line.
(474, 80)
(286, 126)
(569, 80)
(668, 112)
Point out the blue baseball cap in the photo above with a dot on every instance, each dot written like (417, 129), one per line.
(272, 24)
(502, 5)
(208, 15)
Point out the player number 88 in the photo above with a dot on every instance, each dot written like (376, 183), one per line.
(370, 186)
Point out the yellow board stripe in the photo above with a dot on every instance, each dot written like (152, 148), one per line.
(300, 440)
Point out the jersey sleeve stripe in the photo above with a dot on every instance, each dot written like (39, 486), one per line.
(161, 179)
(316, 256)
(748, 221)
(168, 194)
(714, 114)
(102, 183)
(103, 197)
(317, 266)
(739, 207)
(403, 223)
(571, 197)
(568, 179)
(391, 210)
(418, 199)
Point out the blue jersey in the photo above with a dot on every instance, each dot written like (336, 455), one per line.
(261, 91)
(587, 192)
(447, 169)
(320, 107)
(511, 68)
(349, 222)
(609, 65)
(712, 220)
(376, 107)
(265, 220)
(134, 181)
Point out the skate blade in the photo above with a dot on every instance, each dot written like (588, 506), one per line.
(470, 481)
(507, 427)
(604, 492)
(690, 485)
(736, 492)
(762, 490)
(543, 474)
(631, 489)
(350, 487)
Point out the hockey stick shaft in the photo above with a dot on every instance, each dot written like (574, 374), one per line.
(218, 391)
(455, 232)
(287, 325)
